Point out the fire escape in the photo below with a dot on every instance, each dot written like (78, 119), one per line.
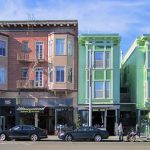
(28, 60)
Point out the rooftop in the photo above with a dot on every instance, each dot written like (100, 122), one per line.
(38, 22)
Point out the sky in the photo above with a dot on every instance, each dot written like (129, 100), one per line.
(128, 18)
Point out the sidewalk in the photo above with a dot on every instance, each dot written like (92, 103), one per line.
(111, 138)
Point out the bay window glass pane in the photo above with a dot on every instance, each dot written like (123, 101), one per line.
(2, 76)
(51, 76)
(107, 89)
(107, 59)
(50, 47)
(99, 90)
(70, 47)
(99, 59)
(59, 74)
(60, 46)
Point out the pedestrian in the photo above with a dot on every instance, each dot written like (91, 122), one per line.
(120, 132)
(138, 131)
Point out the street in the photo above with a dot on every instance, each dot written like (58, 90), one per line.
(60, 145)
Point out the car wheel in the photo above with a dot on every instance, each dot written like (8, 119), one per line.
(68, 138)
(33, 137)
(2, 137)
(97, 138)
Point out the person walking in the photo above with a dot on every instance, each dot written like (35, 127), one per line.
(120, 132)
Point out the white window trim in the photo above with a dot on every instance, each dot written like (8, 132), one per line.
(35, 76)
(64, 74)
(50, 46)
(42, 49)
(60, 38)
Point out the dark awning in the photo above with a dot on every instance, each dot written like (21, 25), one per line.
(30, 109)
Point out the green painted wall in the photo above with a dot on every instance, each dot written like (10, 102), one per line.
(112, 74)
(134, 68)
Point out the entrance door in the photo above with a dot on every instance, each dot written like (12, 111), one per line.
(98, 119)
(38, 77)
(2, 123)
(111, 122)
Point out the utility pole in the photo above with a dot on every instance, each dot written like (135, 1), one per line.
(90, 87)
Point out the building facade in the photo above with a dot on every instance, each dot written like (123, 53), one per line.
(42, 72)
(135, 77)
(105, 79)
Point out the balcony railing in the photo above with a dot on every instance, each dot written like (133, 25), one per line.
(24, 57)
(28, 84)
(25, 84)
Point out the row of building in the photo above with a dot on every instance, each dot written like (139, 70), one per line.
(46, 70)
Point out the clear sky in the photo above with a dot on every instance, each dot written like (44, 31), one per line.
(129, 18)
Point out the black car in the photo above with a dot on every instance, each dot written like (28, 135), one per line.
(23, 132)
(84, 133)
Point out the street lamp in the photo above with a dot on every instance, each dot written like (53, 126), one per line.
(90, 87)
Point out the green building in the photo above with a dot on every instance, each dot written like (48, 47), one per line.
(135, 78)
(105, 79)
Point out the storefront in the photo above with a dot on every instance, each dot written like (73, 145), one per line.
(49, 114)
(104, 116)
(7, 113)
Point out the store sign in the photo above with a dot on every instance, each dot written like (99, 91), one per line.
(7, 102)
(30, 109)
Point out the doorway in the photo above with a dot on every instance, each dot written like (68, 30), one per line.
(98, 119)
(2, 123)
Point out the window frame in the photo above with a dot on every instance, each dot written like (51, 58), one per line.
(99, 60)
(3, 75)
(3, 50)
(60, 52)
(39, 55)
(60, 69)
(22, 69)
(23, 46)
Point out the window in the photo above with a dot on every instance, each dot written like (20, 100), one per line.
(24, 73)
(2, 48)
(51, 76)
(148, 89)
(70, 75)
(2, 76)
(50, 47)
(28, 128)
(107, 89)
(39, 77)
(70, 47)
(107, 59)
(148, 60)
(99, 59)
(39, 50)
(99, 90)
(59, 74)
(60, 46)
(25, 46)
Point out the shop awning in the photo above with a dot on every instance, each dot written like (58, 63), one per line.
(30, 109)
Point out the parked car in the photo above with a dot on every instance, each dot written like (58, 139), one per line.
(23, 132)
(84, 133)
